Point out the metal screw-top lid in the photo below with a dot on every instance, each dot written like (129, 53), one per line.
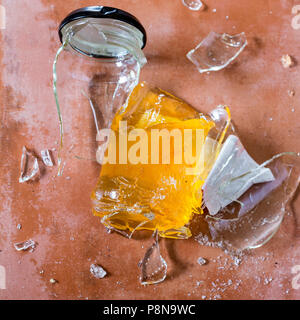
(103, 20)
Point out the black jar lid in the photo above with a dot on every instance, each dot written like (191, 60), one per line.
(103, 12)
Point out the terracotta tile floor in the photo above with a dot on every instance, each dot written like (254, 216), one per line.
(56, 212)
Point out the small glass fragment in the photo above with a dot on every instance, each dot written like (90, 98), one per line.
(47, 158)
(19, 226)
(154, 267)
(216, 51)
(194, 5)
(232, 174)
(202, 261)
(97, 271)
(52, 281)
(237, 261)
(29, 166)
(25, 245)
(287, 61)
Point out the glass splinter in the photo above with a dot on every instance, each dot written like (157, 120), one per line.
(154, 267)
(194, 5)
(60, 120)
(47, 158)
(23, 246)
(202, 261)
(29, 166)
(216, 51)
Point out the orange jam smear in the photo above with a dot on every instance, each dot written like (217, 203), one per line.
(153, 196)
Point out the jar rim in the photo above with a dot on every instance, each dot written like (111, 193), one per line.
(102, 12)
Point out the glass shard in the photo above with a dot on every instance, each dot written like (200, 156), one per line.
(60, 120)
(287, 61)
(97, 271)
(154, 267)
(47, 159)
(126, 233)
(194, 5)
(25, 245)
(29, 166)
(256, 216)
(213, 143)
(201, 261)
(216, 51)
(232, 174)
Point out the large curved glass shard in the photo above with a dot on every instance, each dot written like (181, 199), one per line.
(216, 51)
(253, 220)
(233, 173)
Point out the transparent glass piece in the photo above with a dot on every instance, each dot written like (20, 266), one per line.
(60, 119)
(287, 61)
(47, 159)
(29, 166)
(202, 261)
(109, 220)
(216, 51)
(213, 143)
(256, 216)
(25, 245)
(154, 267)
(232, 174)
(97, 271)
(194, 5)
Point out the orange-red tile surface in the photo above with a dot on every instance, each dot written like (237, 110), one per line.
(56, 211)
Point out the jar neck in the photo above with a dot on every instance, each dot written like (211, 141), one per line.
(105, 39)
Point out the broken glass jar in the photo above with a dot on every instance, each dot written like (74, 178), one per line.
(148, 182)
(143, 186)
(105, 65)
